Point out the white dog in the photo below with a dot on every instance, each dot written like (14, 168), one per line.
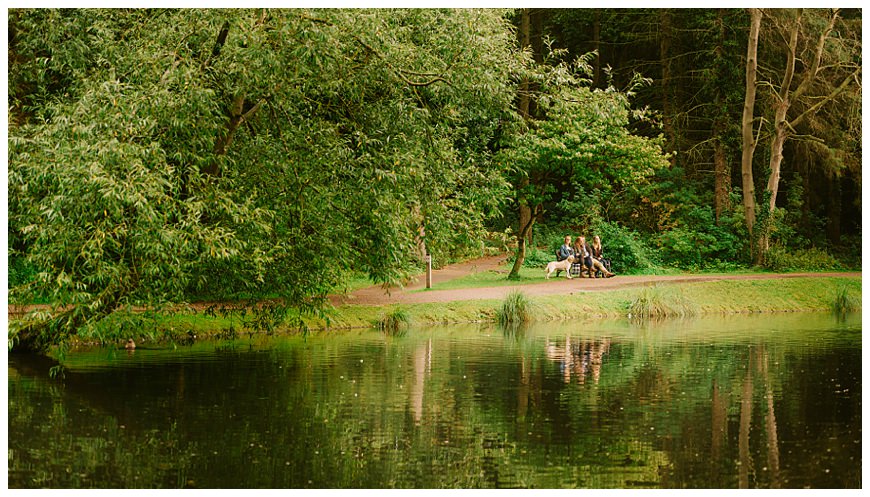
(564, 265)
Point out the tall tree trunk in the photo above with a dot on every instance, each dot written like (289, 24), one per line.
(776, 146)
(525, 40)
(525, 108)
(780, 120)
(523, 235)
(665, 41)
(723, 179)
(835, 209)
(596, 45)
(749, 141)
(721, 168)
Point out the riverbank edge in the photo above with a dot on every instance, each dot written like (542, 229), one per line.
(724, 297)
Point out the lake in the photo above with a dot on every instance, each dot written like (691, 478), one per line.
(725, 402)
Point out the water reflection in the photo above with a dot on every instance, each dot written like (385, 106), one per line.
(578, 357)
(752, 403)
(422, 368)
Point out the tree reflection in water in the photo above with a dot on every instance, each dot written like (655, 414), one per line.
(438, 409)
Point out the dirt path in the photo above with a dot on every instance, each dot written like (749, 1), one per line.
(415, 293)
(375, 295)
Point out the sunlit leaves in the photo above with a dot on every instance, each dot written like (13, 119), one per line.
(584, 138)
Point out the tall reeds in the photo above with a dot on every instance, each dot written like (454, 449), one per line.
(515, 310)
(845, 302)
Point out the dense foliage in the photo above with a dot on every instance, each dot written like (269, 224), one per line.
(162, 156)
(691, 212)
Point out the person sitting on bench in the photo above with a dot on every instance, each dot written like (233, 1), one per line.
(565, 251)
(590, 264)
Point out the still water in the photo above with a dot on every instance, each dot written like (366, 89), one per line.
(742, 402)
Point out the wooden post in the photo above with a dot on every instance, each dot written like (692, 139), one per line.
(428, 271)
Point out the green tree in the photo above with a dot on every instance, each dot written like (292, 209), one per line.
(696, 60)
(160, 154)
(582, 140)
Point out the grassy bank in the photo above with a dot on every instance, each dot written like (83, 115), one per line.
(825, 294)
(707, 298)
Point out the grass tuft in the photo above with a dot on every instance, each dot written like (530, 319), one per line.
(659, 303)
(845, 302)
(395, 322)
(516, 309)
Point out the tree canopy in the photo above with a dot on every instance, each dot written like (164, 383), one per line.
(163, 153)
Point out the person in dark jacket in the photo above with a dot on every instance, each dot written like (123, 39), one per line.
(564, 252)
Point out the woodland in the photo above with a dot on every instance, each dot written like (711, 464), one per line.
(158, 157)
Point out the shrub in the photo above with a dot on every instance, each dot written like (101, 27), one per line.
(623, 247)
(696, 240)
(779, 258)
(848, 251)
(516, 309)
(535, 258)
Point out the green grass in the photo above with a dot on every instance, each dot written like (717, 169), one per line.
(708, 298)
(515, 310)
(845, 301)
(659, 302)
(491, 278)
(394, 322)
(534, 276)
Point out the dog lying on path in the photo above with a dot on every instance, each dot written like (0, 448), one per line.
(563, 265)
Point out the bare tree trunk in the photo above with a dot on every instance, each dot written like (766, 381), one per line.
(525, 41)
(723, 179)
(596, 43)
(523, 234)
(780, 121)
(782, 126)
(665, 27)
(749, 141)
(721, 169)
(835, 209)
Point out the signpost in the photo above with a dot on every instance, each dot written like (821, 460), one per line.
(428, 271)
